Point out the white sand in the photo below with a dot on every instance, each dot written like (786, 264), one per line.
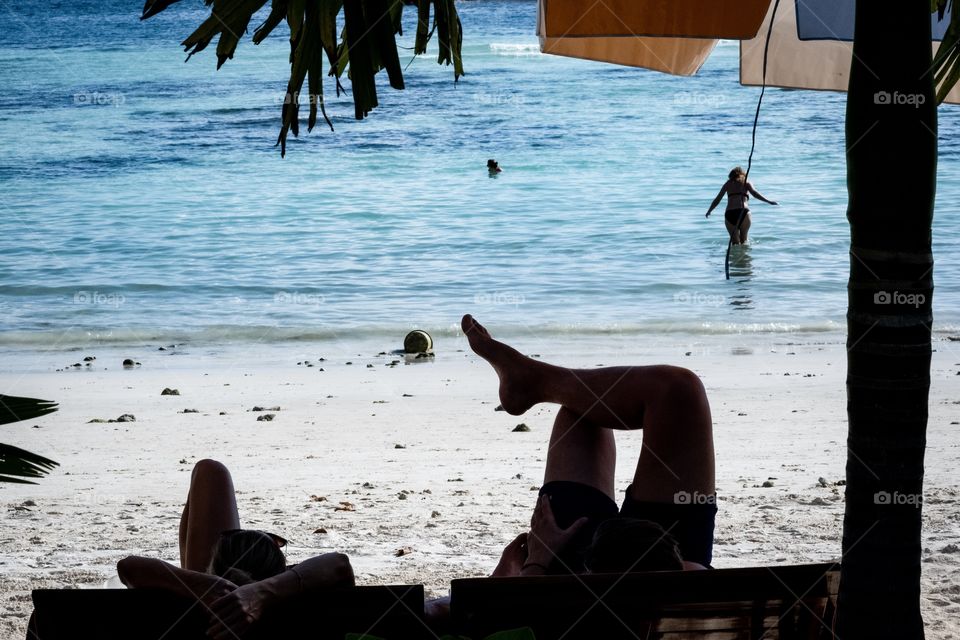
(120, 486)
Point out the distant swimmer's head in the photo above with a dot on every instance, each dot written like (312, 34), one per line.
(243, 556)
(623, 545)
(737, 174)
(493, 166)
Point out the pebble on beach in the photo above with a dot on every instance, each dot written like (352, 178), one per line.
(521, 428)
(167, 391)
(267, 417)
(127, 417)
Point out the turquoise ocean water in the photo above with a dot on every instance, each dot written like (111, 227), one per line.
(143, 197)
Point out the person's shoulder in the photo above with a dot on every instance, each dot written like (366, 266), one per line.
(749, 185)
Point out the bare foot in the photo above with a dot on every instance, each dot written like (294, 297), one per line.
(520, 376)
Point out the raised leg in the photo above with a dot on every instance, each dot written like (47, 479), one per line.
(668, 403)
(580, 452)
(211, 508)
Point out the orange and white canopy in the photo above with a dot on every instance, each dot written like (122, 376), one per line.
(810, 45)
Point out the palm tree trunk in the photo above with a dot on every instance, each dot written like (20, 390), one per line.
(891, 178)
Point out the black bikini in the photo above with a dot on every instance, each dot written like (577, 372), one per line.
(736, 216)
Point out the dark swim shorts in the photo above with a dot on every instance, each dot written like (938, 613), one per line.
(690, 524)
(733, 215)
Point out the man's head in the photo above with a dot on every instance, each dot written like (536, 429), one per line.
(624, 545)
(247, 555)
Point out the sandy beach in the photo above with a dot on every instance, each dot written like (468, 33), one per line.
(419, 457)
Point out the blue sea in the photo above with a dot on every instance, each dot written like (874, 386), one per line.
(144, 199)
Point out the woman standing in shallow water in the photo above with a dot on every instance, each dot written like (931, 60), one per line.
(737, 215)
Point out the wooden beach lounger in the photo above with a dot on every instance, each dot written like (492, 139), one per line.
(393, 613)
(762, 602)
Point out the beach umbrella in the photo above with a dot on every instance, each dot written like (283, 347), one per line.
(673, 36)
(811, 47)
(810, 44)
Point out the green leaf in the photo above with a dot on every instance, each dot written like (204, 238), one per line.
(424, 32)
(229, 19)
(367, 43)
(946, 64)
(153, 7)
(360, 57)
(15, 408)
(17, 464)
(382, 31)
(306, 59)
(278, 11)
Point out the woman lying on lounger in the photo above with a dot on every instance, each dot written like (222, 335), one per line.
(667, 518)
(236, 573)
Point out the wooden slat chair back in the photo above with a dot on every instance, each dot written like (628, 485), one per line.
(786, 602)
(390, 612)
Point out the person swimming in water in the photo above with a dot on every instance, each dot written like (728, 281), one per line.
(737, 215)
(493, 167)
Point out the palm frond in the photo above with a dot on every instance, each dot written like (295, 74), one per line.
(17, 464)
(946, 64)
(15, 409)
(367, 45)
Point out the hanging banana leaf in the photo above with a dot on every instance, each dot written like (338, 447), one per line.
(153, 7)
(278, 11)
(366, 45)
(229, 19)
(424, 32)
(450, 35)
(16, 464)
(306, 59)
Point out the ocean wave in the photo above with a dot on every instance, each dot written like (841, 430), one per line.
(229, 334)
(515, 49)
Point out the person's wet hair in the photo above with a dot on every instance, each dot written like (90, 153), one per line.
(626, 545)
(243, 556)
(492, 164)
(737, 174)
